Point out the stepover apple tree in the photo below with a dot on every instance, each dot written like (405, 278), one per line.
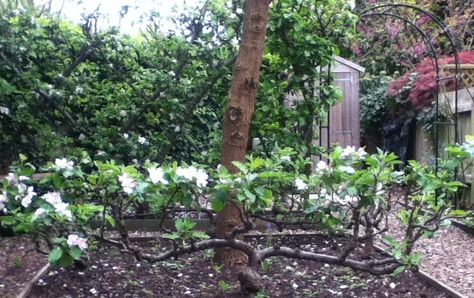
(352, 192)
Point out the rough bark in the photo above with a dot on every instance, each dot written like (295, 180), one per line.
(238, 115)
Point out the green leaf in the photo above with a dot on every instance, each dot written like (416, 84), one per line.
(171, 236)
(184, 224)
(457, 213)
(220, 198)
(59, 240)
(249, 195)
(66, 261)
(241, 166)
(55, 255)
(75, 252)
(257, 163)
(110, 220)
(200, 235)
(399, 270)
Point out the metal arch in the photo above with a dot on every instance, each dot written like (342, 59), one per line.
(387, 10)
(418, 29)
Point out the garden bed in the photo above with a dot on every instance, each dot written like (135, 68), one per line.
(113, 274)
(19, 264)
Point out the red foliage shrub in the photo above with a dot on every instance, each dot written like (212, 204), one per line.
(423, 79)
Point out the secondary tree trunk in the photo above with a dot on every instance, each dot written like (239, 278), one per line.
(238, 115)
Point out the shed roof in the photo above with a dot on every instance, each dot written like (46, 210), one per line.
(349, 64)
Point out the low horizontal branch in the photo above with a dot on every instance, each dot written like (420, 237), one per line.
(384, 267)
(377, 267)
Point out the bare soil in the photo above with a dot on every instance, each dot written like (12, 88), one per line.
(19, 263)
(113, 274)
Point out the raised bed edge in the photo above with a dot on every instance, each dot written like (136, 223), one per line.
(430, 280)
(29, 285)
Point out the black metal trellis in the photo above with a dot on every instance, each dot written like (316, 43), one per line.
(390, 10)
(328, 124)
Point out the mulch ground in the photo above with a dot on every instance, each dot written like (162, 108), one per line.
(113, 274)
(19, 263)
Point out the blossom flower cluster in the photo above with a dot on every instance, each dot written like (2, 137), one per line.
(351, 153)
(157, 176)
(300, 184)
(321, 167)
(25, 193)
(142, 140)
(3, 201)
(75, 240)
(61, 208)
(40, 212)
(193, 174)
(63, 164)
(128, 183)
(4, 110)
(329, 198)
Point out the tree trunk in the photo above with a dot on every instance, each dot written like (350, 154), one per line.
(238, 115)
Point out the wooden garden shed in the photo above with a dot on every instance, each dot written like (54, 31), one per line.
(344, 118)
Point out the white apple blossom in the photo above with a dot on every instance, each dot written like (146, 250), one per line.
(193, 174)
(286, 158)
(63, 164)
(26, 201)
(142, 140)
(127, 182)
(23, 178)
(125, 136)
(52, 198)
(300, 184)
(348, 151)
(352, 4)
(201, 178)
(74, 240)
(321, 166)
(40, 212)
(3, 201)
(4, 110)
(123, 113)
(11, 178)
(61, 208)
(79, 90)
(187, 173)
(361, 152)
(156, 176)
(21, 189)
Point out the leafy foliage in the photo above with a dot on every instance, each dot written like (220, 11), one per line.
(374, 103)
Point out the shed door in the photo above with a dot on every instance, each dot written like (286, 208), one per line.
(345, 116)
